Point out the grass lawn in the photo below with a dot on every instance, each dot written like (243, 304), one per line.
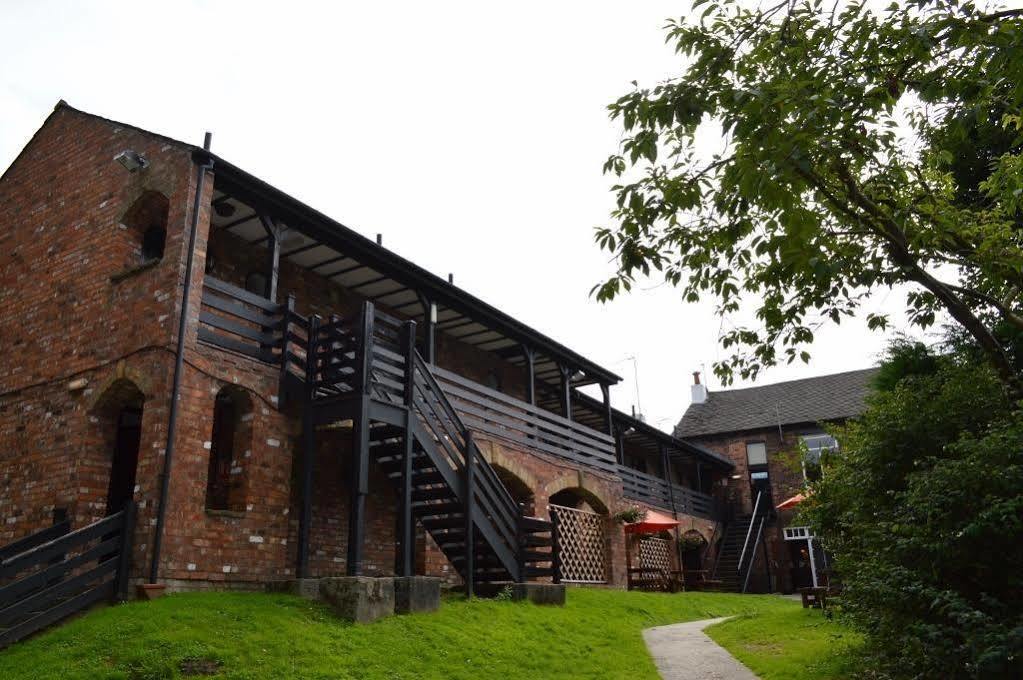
(248, 635)
(791, 643)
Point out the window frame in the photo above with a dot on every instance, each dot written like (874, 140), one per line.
(749, 463)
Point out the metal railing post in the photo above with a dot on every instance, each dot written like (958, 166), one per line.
(308, 448)
(288, 310)
(368, 319)
(406, 524)
(469, 502)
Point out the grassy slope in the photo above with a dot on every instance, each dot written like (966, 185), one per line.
(791, 644)
(597, 635)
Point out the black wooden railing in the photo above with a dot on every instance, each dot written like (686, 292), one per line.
(61, 574)
(494, 512)
(518, 422)
(370, 355)
(660, 493)
(234, 319)
(32, 540)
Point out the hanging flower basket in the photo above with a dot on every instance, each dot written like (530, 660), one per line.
(630, 516)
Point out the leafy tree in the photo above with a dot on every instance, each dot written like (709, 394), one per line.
(860, 150)
(923, 514)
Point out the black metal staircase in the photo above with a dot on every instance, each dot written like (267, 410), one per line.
(365, 372)
(739, 542)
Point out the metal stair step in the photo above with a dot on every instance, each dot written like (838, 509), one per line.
(434, 493)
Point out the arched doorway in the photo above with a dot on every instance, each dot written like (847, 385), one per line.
(119, 412)
(580, 519)
(693, 548)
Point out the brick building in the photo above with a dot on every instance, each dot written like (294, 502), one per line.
(773, 435)
(279, 396)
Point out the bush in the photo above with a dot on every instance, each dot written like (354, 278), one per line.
(923, 513)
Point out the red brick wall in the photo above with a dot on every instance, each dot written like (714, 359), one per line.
(77, 308)
(70, 326)
(786, 477)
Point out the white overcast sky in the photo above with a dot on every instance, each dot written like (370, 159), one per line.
(470, 134)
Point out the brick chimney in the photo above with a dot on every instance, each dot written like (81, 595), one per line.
(699, 390)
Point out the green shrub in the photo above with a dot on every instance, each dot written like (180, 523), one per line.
(923, 512)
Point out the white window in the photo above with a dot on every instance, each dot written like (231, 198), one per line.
(756, 453)
(815, 445)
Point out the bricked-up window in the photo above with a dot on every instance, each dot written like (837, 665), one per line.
(230, 443)
(146, 220)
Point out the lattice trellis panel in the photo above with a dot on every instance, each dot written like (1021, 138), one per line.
(654, 553)
(580, 536)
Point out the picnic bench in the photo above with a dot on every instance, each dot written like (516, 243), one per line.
(654, 579)
(816, 597)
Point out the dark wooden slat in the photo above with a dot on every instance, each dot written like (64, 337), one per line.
(222, 323)
(224, 342)
(32, 540)
(241, 294)
(240, 310)
(26, 584)
(45, 599)
(65, 609)
(59, 546)
(518, 405)
(534, 524)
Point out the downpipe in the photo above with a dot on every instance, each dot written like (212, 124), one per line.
(172, 420)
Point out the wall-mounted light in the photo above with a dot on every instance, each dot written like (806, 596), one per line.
(629, 431)
(578, 375)
(132, 161)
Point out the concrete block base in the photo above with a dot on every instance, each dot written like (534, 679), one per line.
(359, 598)
(416, 594)
(309, 588)
(539, 593)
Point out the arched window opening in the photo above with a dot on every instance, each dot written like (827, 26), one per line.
(229, 446)
(147, 220)
(153, 243)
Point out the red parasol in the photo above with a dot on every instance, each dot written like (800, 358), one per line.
(791, 502)
(653, 523)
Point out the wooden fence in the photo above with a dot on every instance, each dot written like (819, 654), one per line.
(56, 573)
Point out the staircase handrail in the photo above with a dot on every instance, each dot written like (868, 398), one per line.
(749, 569)
(749, 530)
(485, 468)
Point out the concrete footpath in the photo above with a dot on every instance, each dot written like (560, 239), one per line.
(684, 652)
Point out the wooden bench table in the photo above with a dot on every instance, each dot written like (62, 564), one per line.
(814, 597)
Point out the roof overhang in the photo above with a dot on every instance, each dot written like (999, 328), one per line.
(355, 262)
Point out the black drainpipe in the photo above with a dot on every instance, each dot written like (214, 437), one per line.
(161, 510)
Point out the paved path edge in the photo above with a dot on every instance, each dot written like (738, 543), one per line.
(682, 651)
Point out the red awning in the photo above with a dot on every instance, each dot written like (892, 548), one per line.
(791, 502)
(653, 523)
